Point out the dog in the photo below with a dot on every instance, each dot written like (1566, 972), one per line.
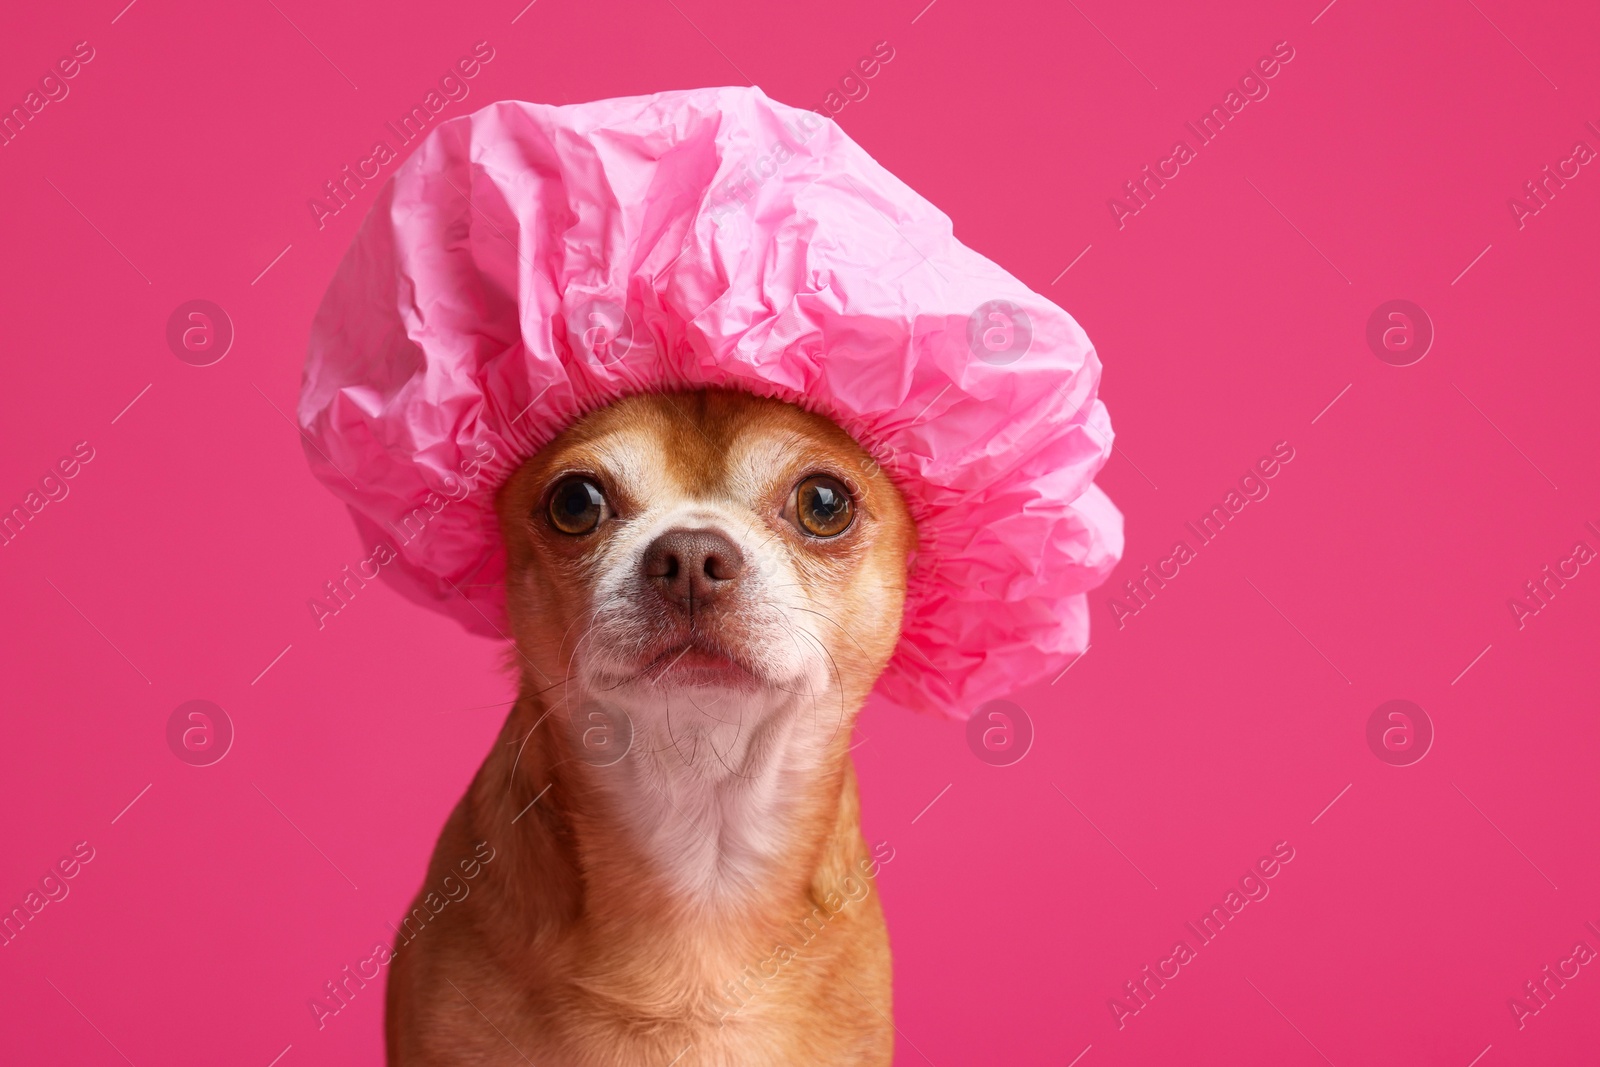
(703, 588)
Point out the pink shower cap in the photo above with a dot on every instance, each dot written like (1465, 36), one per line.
(530, 263)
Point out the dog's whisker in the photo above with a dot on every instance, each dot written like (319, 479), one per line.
(834, 666)
(511, 776)
(676, 744)
(810, 688)
(712, 744)
(841, 627)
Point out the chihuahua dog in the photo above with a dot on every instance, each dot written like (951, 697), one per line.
(703, 588)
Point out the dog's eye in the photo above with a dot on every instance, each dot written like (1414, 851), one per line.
(576, 506)
(823, 507)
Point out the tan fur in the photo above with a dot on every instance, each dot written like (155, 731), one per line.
(578, 943)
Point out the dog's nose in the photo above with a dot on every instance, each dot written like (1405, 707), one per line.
(691, 568)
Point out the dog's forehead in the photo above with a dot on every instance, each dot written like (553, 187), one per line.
(724, 445)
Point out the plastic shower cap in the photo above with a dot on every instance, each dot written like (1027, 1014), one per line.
(530, 263)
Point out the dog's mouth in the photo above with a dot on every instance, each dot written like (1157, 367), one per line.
(698, 660)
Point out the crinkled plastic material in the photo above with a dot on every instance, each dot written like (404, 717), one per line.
(531, 263)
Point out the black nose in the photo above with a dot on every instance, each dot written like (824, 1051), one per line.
(691, 568)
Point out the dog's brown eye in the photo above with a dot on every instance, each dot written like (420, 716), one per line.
(823, 507)
(576, 506)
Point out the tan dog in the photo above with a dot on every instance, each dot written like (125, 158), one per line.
(704, 587)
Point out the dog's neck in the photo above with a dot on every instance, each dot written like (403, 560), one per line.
(723, 802)
(720, 793)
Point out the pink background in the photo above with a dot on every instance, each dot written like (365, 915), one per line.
(1222, 718)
